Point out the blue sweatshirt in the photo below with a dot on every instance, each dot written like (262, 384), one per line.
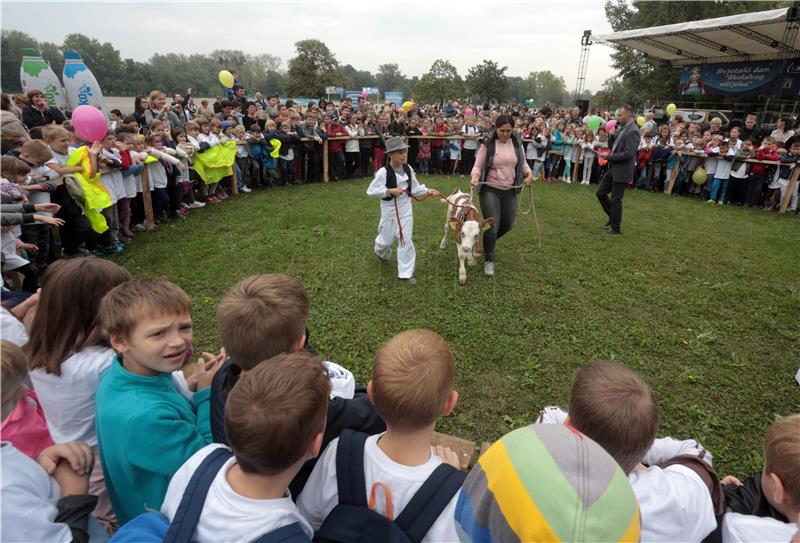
(146, 430)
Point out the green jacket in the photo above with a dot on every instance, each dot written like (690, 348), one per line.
(146, 430)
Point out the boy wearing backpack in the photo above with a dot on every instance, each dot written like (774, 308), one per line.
(248, 497)
(392, 486)
(261, 317)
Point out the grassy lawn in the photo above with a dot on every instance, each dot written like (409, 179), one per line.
(703, 301)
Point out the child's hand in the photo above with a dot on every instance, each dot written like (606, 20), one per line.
(78, 456)
(95, 148)
(396, 192)
(434, 192)
(207, 366)
(447, 455)
(30, 247)
(48, 207)
(731, 480)
(54, 221)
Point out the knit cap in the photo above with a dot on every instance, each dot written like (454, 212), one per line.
(546, 482)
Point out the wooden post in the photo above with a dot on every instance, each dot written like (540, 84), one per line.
(234, 181)
(147, 199)
(578, 155)
(674, 177)
(792, 183)
(325, 172)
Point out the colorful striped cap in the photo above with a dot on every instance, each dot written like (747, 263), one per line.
(546, 482)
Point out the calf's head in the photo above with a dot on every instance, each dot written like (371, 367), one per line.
(468, 232)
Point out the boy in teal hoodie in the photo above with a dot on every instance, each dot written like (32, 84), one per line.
(146, 428)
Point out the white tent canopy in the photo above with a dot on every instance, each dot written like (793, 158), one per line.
(749, 36)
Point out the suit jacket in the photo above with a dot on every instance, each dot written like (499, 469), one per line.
(622, 159)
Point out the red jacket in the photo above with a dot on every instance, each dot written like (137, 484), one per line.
(764, 154)
(336, 146)
(439, 130)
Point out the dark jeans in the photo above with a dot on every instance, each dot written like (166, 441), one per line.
(366, 161)
(353, 163)
(467, 160)
(612, 207)
(500, 205)
(755, 190)
(287, 171)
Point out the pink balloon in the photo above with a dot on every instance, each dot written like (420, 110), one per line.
(364, 94)
(89, 123)
(610, 126)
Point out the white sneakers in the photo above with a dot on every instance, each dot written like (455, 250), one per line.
(245, 188)
(488, 269)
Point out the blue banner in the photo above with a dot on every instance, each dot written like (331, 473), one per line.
(393, 97)
(743, 78)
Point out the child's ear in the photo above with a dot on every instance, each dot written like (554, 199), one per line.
(369, 391)
(299, 344)
(118, 343)
(450, 403)
(315, 447)
(778, 490)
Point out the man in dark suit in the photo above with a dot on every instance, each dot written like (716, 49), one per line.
(622, 167)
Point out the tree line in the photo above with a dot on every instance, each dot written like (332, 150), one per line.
(313, 67)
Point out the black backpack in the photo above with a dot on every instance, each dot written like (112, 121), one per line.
(352, 521)
(154, 527)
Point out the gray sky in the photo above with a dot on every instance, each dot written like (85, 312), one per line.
(523, 35)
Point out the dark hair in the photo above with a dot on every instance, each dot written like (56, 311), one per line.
(116, 112)
(788, 122)
(137, 104)
(5, 102)
(505, 118)
(627, 107)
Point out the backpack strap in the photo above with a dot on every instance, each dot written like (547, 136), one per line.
(429, 501)
(186, 517)
(350, 478)
(291, 533)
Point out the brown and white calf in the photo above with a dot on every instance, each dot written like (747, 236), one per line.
(464, 219)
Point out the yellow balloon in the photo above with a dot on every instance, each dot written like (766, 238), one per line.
(226, 78)
(407, 105)
(640, 120)
(671, 109)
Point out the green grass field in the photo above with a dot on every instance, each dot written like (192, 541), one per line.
(703, 301)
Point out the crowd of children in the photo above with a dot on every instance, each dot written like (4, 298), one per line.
(282, 143)
(128, 433)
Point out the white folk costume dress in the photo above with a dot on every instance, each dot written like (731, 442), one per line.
(397, 216)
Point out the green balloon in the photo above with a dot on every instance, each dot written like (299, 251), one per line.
(594, 122)
(699, 177)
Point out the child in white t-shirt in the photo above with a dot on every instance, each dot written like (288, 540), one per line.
(672, 479)
(249, 496)
(411, 387)
(778, 484)
(67, 354)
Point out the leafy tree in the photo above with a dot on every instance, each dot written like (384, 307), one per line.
(267, 62)
(104, 61)
(547, 87)
(439, 83)
(355, 79)
(487, 81)
(312, 69)
(389, 77)
(12, 42)
(647, 78)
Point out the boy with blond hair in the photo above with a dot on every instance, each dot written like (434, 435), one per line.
(261, 317)
(268, 446)
(146, 428)
(766, 507)
(678, 491)
(411, 387)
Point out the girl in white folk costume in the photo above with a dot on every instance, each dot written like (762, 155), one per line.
(395, 184)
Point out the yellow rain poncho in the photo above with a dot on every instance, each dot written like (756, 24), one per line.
(215, 163)
(95, 196)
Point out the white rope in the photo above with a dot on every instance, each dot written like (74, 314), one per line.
(531, 205)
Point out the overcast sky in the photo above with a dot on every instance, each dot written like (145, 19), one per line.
(523, 35)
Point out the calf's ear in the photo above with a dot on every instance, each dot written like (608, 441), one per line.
(486, 224)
